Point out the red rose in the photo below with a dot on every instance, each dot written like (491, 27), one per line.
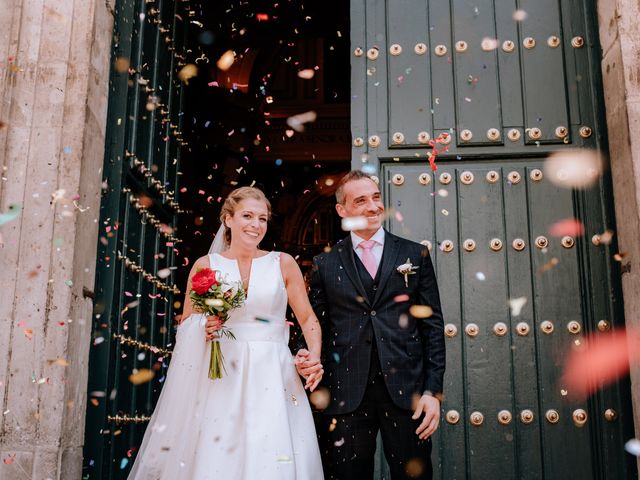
(203, 280)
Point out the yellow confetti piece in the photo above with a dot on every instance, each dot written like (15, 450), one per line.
(58, 361)
(421, 311)
(187, 72)
(320, 398)
(226, 60)
(141, 376)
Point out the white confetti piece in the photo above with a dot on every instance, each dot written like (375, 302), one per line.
(574, 168)
(297, 121)
(633, 447)
(516, 305)
(354, 223)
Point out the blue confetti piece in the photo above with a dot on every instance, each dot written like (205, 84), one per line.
(264, 320)
(368, 168)
(123, 463)
(278, 161)
(336, 357)
(67, 150)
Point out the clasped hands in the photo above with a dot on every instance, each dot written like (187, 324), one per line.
(309, 367)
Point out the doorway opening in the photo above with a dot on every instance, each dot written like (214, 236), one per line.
(269, 107)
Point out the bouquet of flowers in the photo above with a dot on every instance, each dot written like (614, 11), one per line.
(213, 294)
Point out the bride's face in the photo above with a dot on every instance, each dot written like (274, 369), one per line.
(248, 224)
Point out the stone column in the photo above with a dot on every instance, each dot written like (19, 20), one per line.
(620, 39)
(54, 72)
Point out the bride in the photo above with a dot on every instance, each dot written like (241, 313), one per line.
(255, 421)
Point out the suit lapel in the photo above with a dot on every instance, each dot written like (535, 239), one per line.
(389, 257)
(348, 262)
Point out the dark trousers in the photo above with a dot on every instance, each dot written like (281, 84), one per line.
(348, 442)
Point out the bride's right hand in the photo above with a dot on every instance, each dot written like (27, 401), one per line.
(212, 326)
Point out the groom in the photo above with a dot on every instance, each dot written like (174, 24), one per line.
(383, 363)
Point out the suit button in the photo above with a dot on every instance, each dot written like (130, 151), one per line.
(373, 313)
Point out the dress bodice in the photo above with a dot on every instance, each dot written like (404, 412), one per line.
(266, 302)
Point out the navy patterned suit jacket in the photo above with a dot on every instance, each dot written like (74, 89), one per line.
(411, 350)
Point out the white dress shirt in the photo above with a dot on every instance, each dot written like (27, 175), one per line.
(377, 248)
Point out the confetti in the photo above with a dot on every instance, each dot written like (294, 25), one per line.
(414, 467)
(549, 265)
(59, 361)
(143, 375)
(568, 226)
(164, 273)
(516, 305)
(354, 223)
(187, 72)
(443, 138)
(489, 43)
(421, 311)
(520, 15)
(320, 398)
(574, 168)
(606, 237)
(306, 74)
(297, 121)
(599, 361)
(633, 447)
(481, 276)
(11, 214)
(226, 60)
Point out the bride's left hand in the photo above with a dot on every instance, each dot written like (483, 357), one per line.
(313, 380)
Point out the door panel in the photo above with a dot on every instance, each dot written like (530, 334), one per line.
(503, 361)
(510, 88)
(135, 290)
(497, 85)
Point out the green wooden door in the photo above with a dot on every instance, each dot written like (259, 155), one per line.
(134, 288)
(509, 82)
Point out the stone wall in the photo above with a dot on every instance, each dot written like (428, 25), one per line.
(620, 39)
(54, 71)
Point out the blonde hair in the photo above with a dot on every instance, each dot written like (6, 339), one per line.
(232, 201)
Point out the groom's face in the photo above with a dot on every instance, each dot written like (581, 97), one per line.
(362, 199)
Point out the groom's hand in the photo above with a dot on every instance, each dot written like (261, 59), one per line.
(430, 406)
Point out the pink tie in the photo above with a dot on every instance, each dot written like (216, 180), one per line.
(368, 259)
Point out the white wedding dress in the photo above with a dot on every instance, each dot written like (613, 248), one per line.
(255, 422)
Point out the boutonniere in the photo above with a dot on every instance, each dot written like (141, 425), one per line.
(406, 269)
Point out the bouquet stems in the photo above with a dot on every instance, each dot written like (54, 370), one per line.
(216, 363)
